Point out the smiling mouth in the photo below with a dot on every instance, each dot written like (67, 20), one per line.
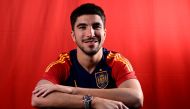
(90, 40)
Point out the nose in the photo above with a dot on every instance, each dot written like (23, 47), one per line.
(90, 32)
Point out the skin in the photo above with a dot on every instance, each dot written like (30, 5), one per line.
(89, 35)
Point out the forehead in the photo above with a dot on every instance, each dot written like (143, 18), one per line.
(88, 19)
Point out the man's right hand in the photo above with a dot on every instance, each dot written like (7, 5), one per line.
(101, 103)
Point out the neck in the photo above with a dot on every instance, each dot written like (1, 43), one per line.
(89, 62)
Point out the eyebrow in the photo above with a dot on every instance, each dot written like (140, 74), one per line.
(96, 23)
(84, 24)
(81, 24)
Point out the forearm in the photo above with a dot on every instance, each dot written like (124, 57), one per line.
(128, 96)
(129, 92)
(47, 94)
(58, 100)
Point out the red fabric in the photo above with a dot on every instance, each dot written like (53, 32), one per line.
(54, 74)
(122, 69)
(59, 70)
(153, 34)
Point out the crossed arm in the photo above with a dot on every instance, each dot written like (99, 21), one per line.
(128, 94)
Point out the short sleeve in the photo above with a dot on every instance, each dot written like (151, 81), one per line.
(122, 69)
(58, 71)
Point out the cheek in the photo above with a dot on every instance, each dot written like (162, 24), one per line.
(80, 35)
(77, 35)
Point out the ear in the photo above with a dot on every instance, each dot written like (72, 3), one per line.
(73, 36)
(105, 32)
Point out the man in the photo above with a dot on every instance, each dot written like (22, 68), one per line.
(89, 76)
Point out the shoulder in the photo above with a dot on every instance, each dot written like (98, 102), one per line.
(63, 60)
(116, 59)
(122, 69)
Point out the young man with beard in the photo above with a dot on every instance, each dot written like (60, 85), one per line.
(89, 76)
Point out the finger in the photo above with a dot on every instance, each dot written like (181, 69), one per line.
(120, 105)
(37, 89)
(42, 85)
(125, 107)
(40, 92)
(46, 93)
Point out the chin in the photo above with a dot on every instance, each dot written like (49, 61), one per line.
(91, 52)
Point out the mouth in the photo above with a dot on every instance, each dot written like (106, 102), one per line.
(90, 40)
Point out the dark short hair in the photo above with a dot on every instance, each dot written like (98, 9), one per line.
(87, 9)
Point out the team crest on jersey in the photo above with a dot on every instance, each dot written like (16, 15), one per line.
(101, 79)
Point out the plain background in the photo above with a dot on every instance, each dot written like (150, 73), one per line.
(153, 34)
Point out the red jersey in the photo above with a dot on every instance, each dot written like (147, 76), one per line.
(111, 71)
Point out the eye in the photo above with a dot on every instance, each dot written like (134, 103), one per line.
(97, 26)
(82, 27)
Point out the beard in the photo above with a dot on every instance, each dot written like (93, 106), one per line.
(90, 50)
(90, 53)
